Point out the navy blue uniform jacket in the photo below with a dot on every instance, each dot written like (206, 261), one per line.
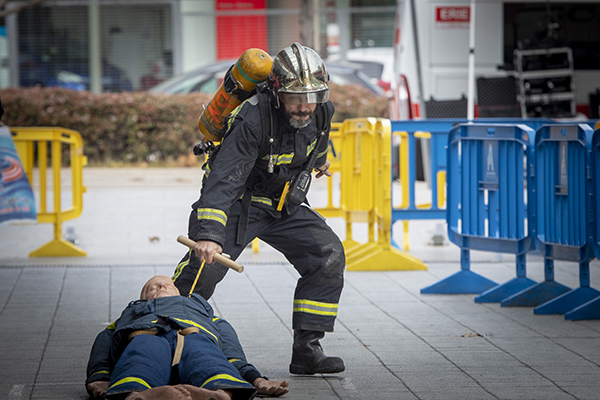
(164, 314)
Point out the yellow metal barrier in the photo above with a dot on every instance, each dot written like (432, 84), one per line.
(334, 157)
(356, 184)
(32, 145)
(366, 196)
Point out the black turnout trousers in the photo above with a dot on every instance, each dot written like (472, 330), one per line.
(306, 241)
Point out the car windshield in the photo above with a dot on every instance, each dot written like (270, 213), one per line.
(342, 75)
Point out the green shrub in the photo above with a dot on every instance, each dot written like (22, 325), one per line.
(143, 128)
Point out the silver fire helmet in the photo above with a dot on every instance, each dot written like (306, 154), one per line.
(298, 76)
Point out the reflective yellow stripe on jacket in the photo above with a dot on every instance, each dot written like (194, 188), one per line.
(263, 200)
(315, 307)
(310, 148)
(190, 322)
(213, 214)
(281, 159)
(181, 266)
(286, 158)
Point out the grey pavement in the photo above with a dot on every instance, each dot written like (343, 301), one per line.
(396, 343)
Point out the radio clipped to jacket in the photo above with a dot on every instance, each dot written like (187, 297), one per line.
(295, 191)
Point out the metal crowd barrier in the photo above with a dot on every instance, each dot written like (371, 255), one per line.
(487, 166)
(434, 137)
(32, 144)
(591, 309)
(334, 157)
(357, 180)
(366, 167)
(433, 134)
(564, 215)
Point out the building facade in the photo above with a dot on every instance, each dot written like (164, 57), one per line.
(138, 43)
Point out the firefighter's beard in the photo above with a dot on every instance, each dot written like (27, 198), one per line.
(299, 120)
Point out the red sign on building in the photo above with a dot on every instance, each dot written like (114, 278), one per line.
(453, 14)
(238, 33)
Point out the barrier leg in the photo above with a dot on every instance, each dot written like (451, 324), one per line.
(373, 257)
(589, 310)
(58, 247)
(538, 293)
(349, 243)
(405, 238)
(572, 299)
(515, 285)
(463, 282)
(255, 245)
(505, 290)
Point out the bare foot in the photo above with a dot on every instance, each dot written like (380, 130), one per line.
(205, 394)
(177, 392)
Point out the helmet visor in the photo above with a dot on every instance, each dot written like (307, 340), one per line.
(304, 98)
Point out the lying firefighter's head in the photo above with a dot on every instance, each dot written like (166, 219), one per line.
(158, 286)
(298, 80)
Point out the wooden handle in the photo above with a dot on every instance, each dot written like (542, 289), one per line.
(221, 259)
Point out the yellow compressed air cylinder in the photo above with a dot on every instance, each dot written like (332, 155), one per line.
(252, 68)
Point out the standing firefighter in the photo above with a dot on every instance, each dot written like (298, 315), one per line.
(254, 186)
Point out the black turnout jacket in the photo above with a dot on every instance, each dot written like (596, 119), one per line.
(239, 166)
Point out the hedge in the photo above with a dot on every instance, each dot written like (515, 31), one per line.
(141, 128)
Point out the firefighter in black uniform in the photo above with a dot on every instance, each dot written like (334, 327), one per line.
(267, 144)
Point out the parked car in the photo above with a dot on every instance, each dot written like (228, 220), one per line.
(68, 72)
(208, 79)
(375, 62)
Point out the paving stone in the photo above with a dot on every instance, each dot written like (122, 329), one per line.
(396, 343)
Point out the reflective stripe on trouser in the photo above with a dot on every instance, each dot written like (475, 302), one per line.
(306, 241)
(146, 363)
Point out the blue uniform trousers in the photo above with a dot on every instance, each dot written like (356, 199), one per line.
(146, 363)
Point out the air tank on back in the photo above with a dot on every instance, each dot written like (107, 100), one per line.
(251, 68)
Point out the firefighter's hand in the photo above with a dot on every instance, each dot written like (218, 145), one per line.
(271, 387)
(323, 170)
(98, 389)
(206, 249)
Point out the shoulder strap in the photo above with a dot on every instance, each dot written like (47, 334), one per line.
(322, 117)
(265, 118)
(269, 127)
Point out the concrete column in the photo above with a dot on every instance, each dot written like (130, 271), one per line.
(309, 24)
(198, 32)
(94, 38)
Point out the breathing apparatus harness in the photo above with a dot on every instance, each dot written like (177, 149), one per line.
(295, 189)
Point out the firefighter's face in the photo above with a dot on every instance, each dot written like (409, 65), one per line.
(159, 286)
(299, 115)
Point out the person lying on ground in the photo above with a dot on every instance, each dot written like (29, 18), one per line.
(166, 339)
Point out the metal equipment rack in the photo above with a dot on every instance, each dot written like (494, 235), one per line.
(546, 82)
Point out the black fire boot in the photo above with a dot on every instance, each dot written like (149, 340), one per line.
(308, 357)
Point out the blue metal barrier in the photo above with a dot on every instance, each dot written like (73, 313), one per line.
(437, 130)
(591, 309)
(486, 206)
(438, 140)
(563, 216)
